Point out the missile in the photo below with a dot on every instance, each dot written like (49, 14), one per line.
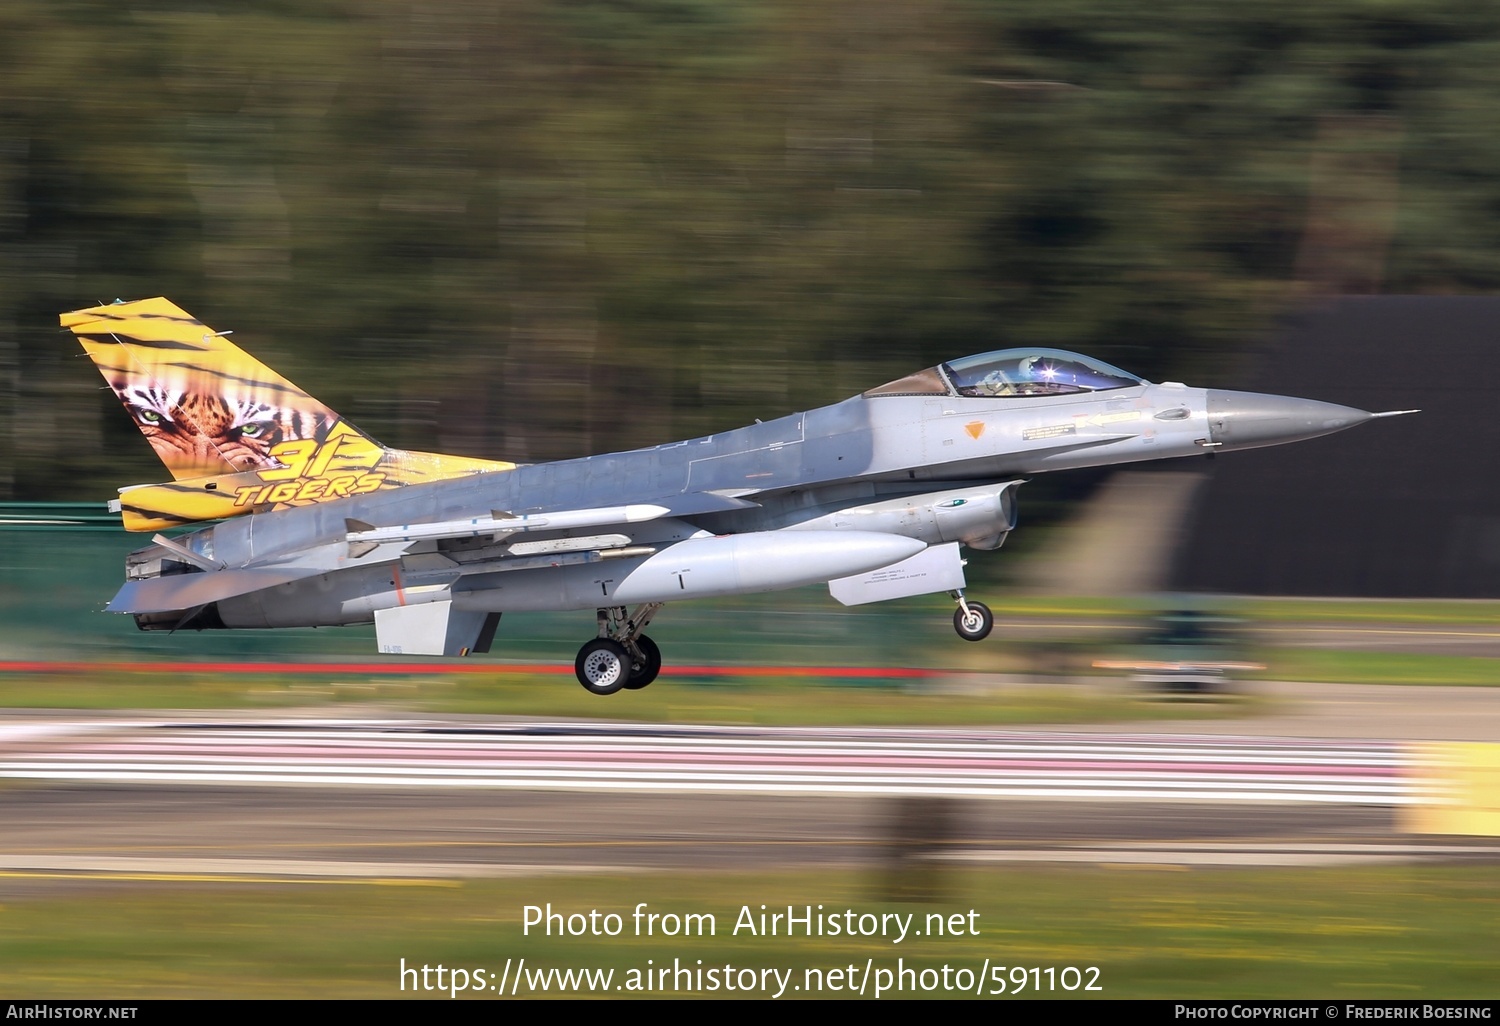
(363, 537)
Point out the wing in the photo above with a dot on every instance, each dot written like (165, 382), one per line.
(186, 592)
(496, 543)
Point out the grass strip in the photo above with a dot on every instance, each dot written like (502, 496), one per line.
(786, 701)
(1363, 932)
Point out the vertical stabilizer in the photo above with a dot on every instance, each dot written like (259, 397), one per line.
(206, 406)
(236, 436)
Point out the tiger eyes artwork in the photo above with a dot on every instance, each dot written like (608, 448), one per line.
(203, 426)
(206, 406)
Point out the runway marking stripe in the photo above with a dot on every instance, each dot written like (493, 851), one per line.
(660, 758)
(971, 767)
(585, 770)
(779, 787)
(747, 756)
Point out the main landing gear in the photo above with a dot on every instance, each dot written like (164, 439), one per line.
(972, 620)
(621, 656)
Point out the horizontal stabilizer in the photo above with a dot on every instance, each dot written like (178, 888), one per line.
(189, 591)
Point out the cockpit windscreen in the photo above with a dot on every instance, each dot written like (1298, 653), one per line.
(1032, 372)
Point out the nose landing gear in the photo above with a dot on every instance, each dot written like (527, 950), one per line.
(972, 620)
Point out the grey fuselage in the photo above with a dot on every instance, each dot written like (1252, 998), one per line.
(797, 472)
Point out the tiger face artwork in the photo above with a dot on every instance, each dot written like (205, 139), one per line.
(198, 432)
(206, 406)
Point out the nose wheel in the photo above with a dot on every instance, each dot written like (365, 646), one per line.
(621, 657)
(972, 620)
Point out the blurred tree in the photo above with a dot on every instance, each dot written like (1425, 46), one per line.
(539, 230)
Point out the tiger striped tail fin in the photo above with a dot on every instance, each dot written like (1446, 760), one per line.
(206, 406)
(236, 436)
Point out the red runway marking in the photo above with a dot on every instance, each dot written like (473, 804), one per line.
(402, 669)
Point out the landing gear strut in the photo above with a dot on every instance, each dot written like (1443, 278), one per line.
(621, 656)
(972, 620)
(645, 670)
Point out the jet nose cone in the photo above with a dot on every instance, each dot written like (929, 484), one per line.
(1245, 420)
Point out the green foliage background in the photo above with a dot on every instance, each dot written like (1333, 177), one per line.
(537, 230)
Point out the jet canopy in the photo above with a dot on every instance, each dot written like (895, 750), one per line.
(1013, 373)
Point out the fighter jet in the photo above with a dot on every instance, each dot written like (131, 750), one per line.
(876, 496)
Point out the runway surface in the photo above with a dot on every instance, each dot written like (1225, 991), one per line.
(299, 798)
(695, 760)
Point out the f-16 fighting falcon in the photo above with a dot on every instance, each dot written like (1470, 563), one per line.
(320, 525)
